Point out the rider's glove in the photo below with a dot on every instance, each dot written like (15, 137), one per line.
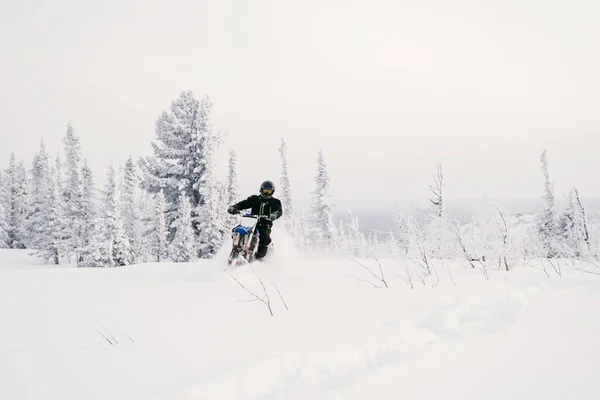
(232, 210)
(273, 216)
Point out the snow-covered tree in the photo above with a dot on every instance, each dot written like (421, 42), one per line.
(573, 228)
(72, 192)
(158, 233)
(233, 187)
(356, 239)
(342, 243)
(88, 209)
(39, 195)
(393, 248)
(373, 242)
(439, 234)
(51, 244)
(183, 245)
(130, 210)
(412, 242)
(117, 244)
(286, 190)
(321, 218)
(305, 240)
(15, 201)
(179, 161)
(581, 220)
(94, 253)
(547, 223)
(3, 224)
(147, 207)
(211, 218)
(491, 236)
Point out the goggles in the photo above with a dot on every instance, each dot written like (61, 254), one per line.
(267, 191)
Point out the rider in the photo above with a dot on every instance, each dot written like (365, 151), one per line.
(266, 205)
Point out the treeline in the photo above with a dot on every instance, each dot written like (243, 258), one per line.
(172, 206)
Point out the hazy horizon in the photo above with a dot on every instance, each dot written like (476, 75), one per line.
(387, 89)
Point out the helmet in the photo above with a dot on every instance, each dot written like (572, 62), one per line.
(267, 188)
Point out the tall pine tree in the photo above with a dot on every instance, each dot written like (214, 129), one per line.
(322, 227)
(183, 247)
(286, 190)
(158, 234)
(179, 162)
(51, 244)
(210, 218)
(72, 192)
(116, 241)
(15, 200)
(88, 209)
(547, 222)
(130, 209)
(233, 187)
(3, 224)
(39, 195)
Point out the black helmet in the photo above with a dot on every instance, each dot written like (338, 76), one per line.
(267, 188)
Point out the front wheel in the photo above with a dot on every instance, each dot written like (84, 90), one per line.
(233, 256)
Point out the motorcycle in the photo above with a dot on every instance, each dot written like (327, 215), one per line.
(245, 238)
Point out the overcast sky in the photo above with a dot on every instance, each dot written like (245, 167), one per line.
(385, 88)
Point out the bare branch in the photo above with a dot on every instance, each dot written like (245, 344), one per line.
(381, 279)
(590, 272)
(266, 301)
(380, 268)
(280, 296)
(586, 234)
(469, 258)
(360, 280)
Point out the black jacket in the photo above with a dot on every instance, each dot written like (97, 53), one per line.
(261, 206)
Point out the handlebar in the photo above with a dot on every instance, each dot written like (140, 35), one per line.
(243, 214)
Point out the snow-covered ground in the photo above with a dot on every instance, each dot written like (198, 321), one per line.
(188, 331)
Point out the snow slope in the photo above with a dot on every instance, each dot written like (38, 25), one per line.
(187, 331)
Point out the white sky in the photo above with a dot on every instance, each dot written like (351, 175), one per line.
(386, 88)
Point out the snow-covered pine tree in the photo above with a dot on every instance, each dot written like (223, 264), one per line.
(39, 194)
(147, 206)
(62, 228)
(51, 244)
(158, 234)
(304, 241)
(14, 196)
(342, 246)
(373, 242)
(211, 219)
(25, 190)
(73, 192)
(88, 207)
(183, 245)
(393, 248)
(547, 223)
(356, 238)
(3, 224)
(233, 186)
(130, 210)
(116, 241)
(572, 228)
(94, 253)
(178, 163)
(322, 227)
(286, 191)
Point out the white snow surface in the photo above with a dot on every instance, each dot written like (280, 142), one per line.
(188, 331)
